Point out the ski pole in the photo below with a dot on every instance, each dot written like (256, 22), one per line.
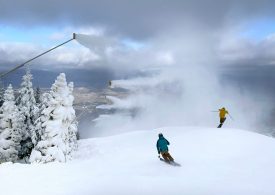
(231, 117)
(214, 111)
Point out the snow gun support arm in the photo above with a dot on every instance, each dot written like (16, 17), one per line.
(21, 65)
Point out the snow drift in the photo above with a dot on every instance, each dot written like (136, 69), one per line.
(213, 162)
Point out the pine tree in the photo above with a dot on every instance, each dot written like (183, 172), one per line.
(10, 127)
(38, 96)
(43, 117)
(2, 92)
(58, 123)
(72, 125)
(27, 106)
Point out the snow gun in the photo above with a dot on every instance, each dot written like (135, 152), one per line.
(21, 65)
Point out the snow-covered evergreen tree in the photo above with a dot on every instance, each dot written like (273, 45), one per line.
(58, 122)
(10, 127)
(38, 96)
(2, 92)
(72, 125)
(27, 106)
(43, 117)
(41, 103)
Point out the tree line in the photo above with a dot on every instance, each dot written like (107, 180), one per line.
(35, 127)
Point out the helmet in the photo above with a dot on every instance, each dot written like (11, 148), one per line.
(160, 135)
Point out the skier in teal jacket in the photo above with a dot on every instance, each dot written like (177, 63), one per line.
(162, 147)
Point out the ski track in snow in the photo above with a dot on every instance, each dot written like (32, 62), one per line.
(213, 162)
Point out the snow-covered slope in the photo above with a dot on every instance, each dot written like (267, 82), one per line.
(214, 162)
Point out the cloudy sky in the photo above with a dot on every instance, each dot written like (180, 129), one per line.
(236, 32)
(183, 46)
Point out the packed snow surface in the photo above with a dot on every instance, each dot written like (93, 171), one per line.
(213, 162)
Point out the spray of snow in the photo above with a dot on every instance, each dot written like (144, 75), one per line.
(182, 87)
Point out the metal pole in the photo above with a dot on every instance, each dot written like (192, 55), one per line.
(21, 65)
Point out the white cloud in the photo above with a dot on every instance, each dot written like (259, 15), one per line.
(64, 33)
(186, 91)
(243, 51)
(69, 57)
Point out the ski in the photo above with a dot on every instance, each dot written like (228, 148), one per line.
(220, 125)
(173, 163)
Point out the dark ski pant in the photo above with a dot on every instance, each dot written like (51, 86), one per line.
(221, 122)
(166, 156)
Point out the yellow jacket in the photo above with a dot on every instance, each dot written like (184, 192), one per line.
(223, 112)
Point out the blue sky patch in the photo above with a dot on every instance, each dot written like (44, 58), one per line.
(259, 29)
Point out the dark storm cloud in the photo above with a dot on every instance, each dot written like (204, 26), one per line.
(140, 18)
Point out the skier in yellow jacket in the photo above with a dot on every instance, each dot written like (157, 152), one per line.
(222, 113)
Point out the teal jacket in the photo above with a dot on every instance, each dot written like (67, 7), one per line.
(162, 144)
